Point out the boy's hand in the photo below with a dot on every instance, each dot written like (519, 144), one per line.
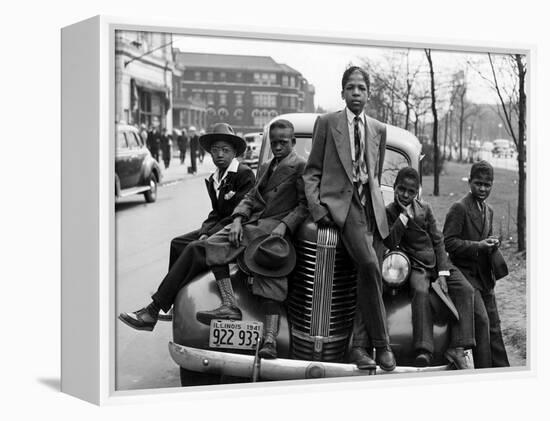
(407, 210)
(442, 280)
(487, 245)
(236, 232)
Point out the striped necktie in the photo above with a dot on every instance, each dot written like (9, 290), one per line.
(359, 161)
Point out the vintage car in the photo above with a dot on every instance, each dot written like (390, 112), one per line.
(251, 155)
(136, 171)
(317, 324)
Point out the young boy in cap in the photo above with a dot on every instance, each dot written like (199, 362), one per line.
(469, 240)
(413, 231)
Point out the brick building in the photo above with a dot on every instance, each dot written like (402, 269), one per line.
(144, 71)
(244, 91)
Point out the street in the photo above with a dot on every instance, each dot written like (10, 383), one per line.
(143, 234)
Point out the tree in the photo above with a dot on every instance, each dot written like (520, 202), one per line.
(513, 102)
(428, 52)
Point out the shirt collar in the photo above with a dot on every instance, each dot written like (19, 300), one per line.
(233, 167)
(350, 116)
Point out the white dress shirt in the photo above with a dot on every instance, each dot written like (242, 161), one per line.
(233, 167)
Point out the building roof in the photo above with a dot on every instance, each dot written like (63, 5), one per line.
(230, 61)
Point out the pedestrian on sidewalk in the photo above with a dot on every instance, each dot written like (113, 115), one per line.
(182, 140)
(194, 149)
(166, 147)
(201, 149)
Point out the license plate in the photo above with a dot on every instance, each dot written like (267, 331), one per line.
(238, 334)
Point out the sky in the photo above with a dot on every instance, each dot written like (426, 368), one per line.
(323, 64)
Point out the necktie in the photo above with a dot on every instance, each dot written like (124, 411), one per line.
(359, 159)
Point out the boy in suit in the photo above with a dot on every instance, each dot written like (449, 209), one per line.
(413, 231)
(342, 184)
(226, 186)
(276, 206)
(468, 240)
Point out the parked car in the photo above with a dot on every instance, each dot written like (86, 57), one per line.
(252, 152)
(136, 171)
(503, 148)
(316, 328)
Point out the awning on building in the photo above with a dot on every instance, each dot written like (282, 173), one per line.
(153, 86)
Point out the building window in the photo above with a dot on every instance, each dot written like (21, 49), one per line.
(272, 79)
(223, 99)
(273, 114)
(238, 114)
(223, 113)
(292, 102)
(197, 75)
(257, 78)
(239, 76)
(182, 90)
(284, 102)
(210, 76)
(209, 98)
(292, 81)
(260, 118)
(265, 100)
(223, 76)
(239, 100)
(285, 80)
(211, 112)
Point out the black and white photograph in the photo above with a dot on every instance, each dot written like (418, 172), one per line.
(290, 210)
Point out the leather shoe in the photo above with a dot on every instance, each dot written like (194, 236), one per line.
(361, 358)
(224, 311)
(142, 319)
(268, 350)
(459, 358)
(385, 358)
(166, 317)
(423, 359)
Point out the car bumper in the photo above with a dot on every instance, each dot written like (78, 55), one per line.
(238, 365)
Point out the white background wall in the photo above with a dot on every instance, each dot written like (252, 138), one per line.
(30, 222)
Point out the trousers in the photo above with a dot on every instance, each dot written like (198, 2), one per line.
(178, 244)
(357, 236)
(490, 350)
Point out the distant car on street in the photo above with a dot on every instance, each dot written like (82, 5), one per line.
(253, 146)
(503, 148)
(136, 171)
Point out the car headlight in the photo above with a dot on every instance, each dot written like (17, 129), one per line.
(396, 269)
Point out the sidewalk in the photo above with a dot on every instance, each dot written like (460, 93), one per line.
(177, 172)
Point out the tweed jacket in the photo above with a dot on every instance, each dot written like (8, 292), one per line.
(232, 190)
(279, 198)
(328, 175)
(420, 240)
(465, 226)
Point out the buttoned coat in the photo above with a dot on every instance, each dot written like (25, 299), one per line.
(329, 172)
(420, 240)
(465, 226)
(232, 190)
(272, 200)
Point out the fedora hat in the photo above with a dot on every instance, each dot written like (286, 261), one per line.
(270, 255)
(223, 131)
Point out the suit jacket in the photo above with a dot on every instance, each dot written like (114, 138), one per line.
(329, 174)
(465, 226)
(233, 188)
(279, 198)
(420, 240)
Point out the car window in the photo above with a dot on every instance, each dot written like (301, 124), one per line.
(132, 140)
(393, 162)
(121, 140)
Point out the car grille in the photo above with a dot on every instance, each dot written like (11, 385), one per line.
(322, 298)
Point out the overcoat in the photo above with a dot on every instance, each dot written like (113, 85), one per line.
(274, 199)
(465, 226)
(330, 162)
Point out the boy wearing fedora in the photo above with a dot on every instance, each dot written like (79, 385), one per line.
(413, 231)
(275, 206)
(469, 240)
(226, 186)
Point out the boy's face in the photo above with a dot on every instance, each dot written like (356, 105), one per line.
(355, 93)
(222, 153)
(480, 186)
(406, 190)
(281, 142)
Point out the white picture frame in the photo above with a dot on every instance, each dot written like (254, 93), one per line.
(88, 222)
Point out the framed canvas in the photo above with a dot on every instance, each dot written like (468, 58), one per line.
(152, 111)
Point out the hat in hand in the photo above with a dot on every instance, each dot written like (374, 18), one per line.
(270, 255)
